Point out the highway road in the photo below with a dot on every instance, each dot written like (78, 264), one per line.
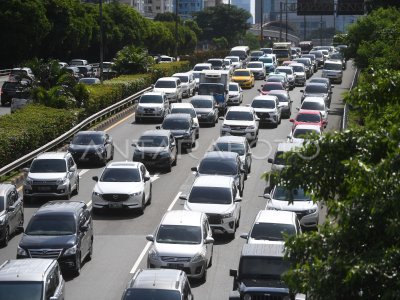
(120, 246)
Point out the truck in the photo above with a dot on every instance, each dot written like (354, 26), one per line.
(306, 46)
(260, 274)
(282, 51)
(215, 83)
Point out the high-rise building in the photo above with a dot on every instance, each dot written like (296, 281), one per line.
(246, 5)
(187, 7)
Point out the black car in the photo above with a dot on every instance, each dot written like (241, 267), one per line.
(182, 128)
(11, 212)
(206, 109)
(14, 89)
(322, 80)
(222, 163)
(317, 90)
(61, 230)
(156, 148)
(92, 146)
(85, 71)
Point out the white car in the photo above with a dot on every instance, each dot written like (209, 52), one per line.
(218, 197)
(296, 201)
(333, 69)
(187, 108)
(197, 69)
(257, 68)
(316, 103)
(188, 83)
(166, 59)
(228, 66)
(241, 121)
(124, 185)
(300, 132)
(290, 75)
(235, 61)
(270, 227)
(183, 240)
(268, 109)
(171, 86)
(152, 105)
(235, 94)
(300, 73)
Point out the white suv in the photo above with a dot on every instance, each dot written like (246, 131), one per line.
(183, 240)
(52, 174)
(241, 121)
(333, 70)
(268, 109)
(152, 105)
(218, 197)
(171, 86)
(188, 83)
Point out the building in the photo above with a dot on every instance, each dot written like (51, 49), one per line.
(186, 8)
(246, 5)
(150, 8)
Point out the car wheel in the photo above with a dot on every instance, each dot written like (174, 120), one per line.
(138, 120)
(211, 258)
(280, 120)
(20, 227)
(112, 154)
(90, 252)
(233, 234)
(77, 270)
(4, 242)
(69, 194)
(203, 279)
(27, 199)
(76, 191)
(150, 195)
(143, 206)
(169, 168)
(197, 134)
(175, 161)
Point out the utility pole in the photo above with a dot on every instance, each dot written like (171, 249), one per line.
(101, 40)
(320, 31)
(286, 12)
(304, 32)
(176, 30)
(262, 23)
(280, 21)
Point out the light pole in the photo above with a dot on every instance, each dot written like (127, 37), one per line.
(286, 12)
(176, 30)
(262, 23)
(101, 39)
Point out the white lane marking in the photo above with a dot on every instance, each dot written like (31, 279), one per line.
(146, 248)
(119, 122)
(89, 204)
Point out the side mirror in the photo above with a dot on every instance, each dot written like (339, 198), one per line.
(238, 199)
(146, 178)
(291, 120)
(11, 209)
(267, 196)
(95, 178)
(244, 236)
(134, 144)
(194, 169)
(328, 110)
(150, 238)
(330, 92)
(257, 118)
(183, 197)
(173, 144)
(302, 91)
(158, 127)
(221, 118)
(270, 160)
(72, 169)
(298, 108)
(84, 228)
(258, 90)
(289, 137)
(242, 169)
(26, 170)
(208, 240)
(233, 273)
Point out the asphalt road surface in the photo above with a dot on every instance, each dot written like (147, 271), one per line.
(120, 246)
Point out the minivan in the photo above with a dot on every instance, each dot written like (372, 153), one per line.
(242, 51)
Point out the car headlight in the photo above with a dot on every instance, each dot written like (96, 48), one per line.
(228, 215)
(199, 257)
(21, 251)
(70, 251)
(2, 221)
(211, 113)
(140, 109)
(101, 149)
(186, 134)
(61, 180)
(311, 211)
(29, 180)
(136, 194)
(153, 255)
(164, 154)
(96, 193)
(246, 297)
(251, 127)
(226, 127)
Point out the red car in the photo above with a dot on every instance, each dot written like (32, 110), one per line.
(270, 86)
(309, 117)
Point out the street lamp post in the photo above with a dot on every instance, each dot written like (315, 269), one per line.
(262, 23)
(286, 25)
(101, 39)
(176, 29)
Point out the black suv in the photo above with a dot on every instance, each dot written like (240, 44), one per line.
(14, 89)
(61, 230)
(182, 128)
(259, 274)
(11, 212)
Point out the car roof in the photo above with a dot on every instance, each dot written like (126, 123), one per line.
(178, 116)
(156, 132)
(52, 155)
(157, 279)
(331, 61)
(203, 97)
(183, 217)
(308, 126)
(220, 155)
(203, 64)
(279, 92)
(234, 83)
(213, 181)
(181, 74)
(275, 216)
(167, 78)
(297, 65)
(269, 250)
(316, 84)
(182, 105)
(61, 206)
(231, 139)
(153, 93)
(240, 108)
(29, 269)
(314, 99)
(90, 132)
(265, 97)
(247, 70)
(309, 112)
(319, 80)
(286, 146)
(123, 165)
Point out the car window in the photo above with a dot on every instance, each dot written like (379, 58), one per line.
(199, 103)
(271, 231)
(87, 139)
(239, 115)
(71, 162)
(151, 99)
(10, 199)
(51, 285)
(176, 124)
(313, 118)
(263, 104)
(218, 167)
(50, 225)
(238, 148)
(184, 110)
(210, 195)
(205, 231)
(179, 234)
(48, 166)
(165, 84)
(120, 175)
(153, 141)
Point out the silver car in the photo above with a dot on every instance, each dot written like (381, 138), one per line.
(183, 240)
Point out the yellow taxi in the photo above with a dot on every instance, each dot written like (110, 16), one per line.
(244, 77)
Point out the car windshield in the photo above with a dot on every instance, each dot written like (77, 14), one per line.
(269, 267)
(281, 97)
(270, 87)
(1, 203)
(201, 68)
(284, 70)
(166, 59)
(254, 65)
(234, 59)
(281, 53)
(21, 290)
(48, 166)
(263, 104)
(210, 195)
(175, 124)
(319, 80)
(184, 110)
(241, 73)
(87, 139)
(151, 99)
(310, 56)
(210, 89)
(183, 78)
(311, 105)
(316, 89)
(298, 68)
(164, 84)
(202, 103)
(151, 294)
(266, 60)
(275, 79)
(233, 88)
(239, 116)
(230, 147)
(305, 62)
(51, 225)
(336, 56)
(120, 175)
(256, 53)
(272, 231)
(317, 54)
(76, 63)
(303, 133)
(331, 66)
(283, 194)
(153, 141)
(267, 50)
(88, 80)
(217, 167)
(178, 234)
(308, 118)
(215, 63)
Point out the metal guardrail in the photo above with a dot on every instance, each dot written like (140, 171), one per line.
(345, 117)
(5, 72)
(62, 138)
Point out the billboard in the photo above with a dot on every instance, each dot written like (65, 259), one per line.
(350, 7)
(315, 7)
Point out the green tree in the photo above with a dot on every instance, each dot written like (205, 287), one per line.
(220, 43)
(376, 4)
(251, 40)
(132, 60)
(166, 17)
(227, 21)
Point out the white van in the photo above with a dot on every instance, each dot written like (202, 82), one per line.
(242, 51)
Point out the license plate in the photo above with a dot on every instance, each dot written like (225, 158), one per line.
(175, 266)
(115, 205)
(44, 188)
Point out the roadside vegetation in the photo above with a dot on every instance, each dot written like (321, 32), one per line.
(356, 253)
